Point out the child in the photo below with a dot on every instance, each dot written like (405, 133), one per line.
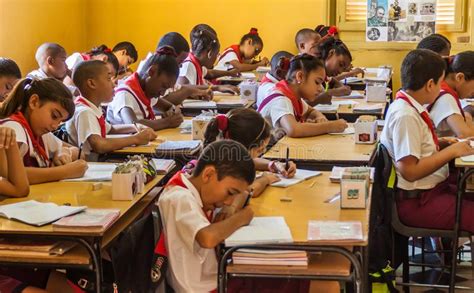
(198, 65)
(126, 54)
(33, 109)
(248, 127)
(446, 111)
(280, 64)
(135, 98)
(285, 108)
(88, 126)
(306, 41)
(425, 197)
(9, 74)
(241, 56)
(13, 179)
(436, 43)
(51, 58)
(187, 204)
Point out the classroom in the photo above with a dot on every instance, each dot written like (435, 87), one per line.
(236, 146)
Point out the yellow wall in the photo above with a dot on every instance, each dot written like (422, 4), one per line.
(25, 24)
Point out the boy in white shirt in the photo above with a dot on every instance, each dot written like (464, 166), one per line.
(425, 196)
(224, 170)
(88, 126)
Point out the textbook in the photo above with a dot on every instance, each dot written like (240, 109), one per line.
(96, 172)
(301, 175)
(334, 230)
(261, 230)
(163, 166)
(35, 247)
(37, 213)
(270, 257)
(179, 147)
(369, 108)
(89, 219)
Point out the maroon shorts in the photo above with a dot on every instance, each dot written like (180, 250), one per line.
(10, 285)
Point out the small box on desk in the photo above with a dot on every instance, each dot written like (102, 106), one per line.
(199, 125)
(126, 185)
(355, 187)
(375, 90)
(248, 90)
(365, 129)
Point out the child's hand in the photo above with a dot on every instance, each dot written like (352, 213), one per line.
(270, 178)
(280, 168)
(174, 120)
(234, 72)
(337, 126)
(357, 71)
(206, 95)
(224, 213)
(75, 169)
(320, 119)
(145, 136)
(7, 137)
(460, 149)
(65, 157)
(246, 214)
(232, 89)
(263, 62)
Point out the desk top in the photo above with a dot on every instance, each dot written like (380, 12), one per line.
(461, 164)
(324, 148)
(308, 203)
(77, 194)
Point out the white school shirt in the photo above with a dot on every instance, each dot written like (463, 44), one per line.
(188, 70)
(444, 107)
(192, 268)
(124, 99)
(52, 144)
(406, 134)
(265, 88)
(83, 124)
(73, 60)
(38, 73)
(279, 107)
(229, 56)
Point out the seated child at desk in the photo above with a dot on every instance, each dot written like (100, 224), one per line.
(187, 204)
(33, 109)
(285, 108)
(51, 58)
(280, 64)
(198, 65)
(88, 127)
(306, 41)
(446, 111)
(9, 75)
(13, 179)
(241, 56)
(436, 43)
(135, 98)
(126, 54)
(425, 196)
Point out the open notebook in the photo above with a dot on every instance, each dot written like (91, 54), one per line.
(96, 172)
(300, 176)
(353, 95)
(199, 104)
(261, 230)
(88, 219)
(179, 147)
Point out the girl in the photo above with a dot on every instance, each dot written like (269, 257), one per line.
(436, 43)
(9, 74)
(285, 108)
(33, 109)
(280, 64)
(135, 98)
(198, 65)
(446, 111)
(241, 56)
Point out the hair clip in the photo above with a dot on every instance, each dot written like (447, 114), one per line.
(333, 30)
(284, 63)
(107, 50)
(253, 31)
(28, 82)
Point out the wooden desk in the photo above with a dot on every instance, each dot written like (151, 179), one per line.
(88, 254)
(223, 105)
(347, 111)
(322, 152)
(461, 164)
(308, 203)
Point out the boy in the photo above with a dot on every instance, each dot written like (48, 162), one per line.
(88, 125)
(307, 41)
(280, 64)
(425, 196)
(126, 54)
(224, 170)
(51, 58)
(9, 74)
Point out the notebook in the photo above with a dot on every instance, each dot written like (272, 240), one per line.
(263, 69)
(35, 247)
(261, 230)
(327, 108)
(37, 213)
(96, 172)
(301, 175)
(334, 230)
(345, 102)
(468, 158)
(270, 257)
(89, 219)
(347, 131)
(369, 108)
(199, 104)
(248, 75)
(179, 147)
(163, 166)
(232, 102)
(353, 95)
(336, 174)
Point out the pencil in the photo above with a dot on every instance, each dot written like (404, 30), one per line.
(287, 162)
(136, 127)
(248, 198)
(80, 152)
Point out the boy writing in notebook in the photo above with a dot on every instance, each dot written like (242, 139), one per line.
(224, 170)
(88, 126)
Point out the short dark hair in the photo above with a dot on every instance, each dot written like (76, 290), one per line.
(129, 48)
(419, 66)
(435, 42)
(165, 59)
(174, 40)
(86, 70)
(8, 67)
(204, 40)
(462, 63)
(230, 158)
(304, 62)
(252, 35)
(104, 50)
(331, 43)
(303, 34)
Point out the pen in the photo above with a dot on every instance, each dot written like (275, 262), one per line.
(287, 165)
(248, 198)
(80, 152)
(136, 127)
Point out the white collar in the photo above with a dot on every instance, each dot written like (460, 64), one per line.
(97, 111)
(271, 77)
(193, 189)
(414, 102)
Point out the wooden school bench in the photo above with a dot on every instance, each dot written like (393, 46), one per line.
(87, 254)
(309, 201)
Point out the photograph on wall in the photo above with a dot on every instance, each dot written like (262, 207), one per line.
(397, 10)
(377, 13)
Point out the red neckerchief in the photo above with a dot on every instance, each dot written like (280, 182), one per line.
(133, 82)
(445, 88)
(101, 120)
(265, 79)
(233, 48)
(285, 89)
(197, 64)
(85, 57)
(424, 115)
(37, 142)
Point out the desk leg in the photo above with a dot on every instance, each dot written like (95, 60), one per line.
(94, 251)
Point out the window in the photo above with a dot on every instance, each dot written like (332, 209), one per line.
(351, 15)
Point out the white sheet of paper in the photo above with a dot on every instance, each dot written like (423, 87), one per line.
(199, 104)
(347, 131)
(347, 102)
(300, 176)
(468, 158)
(326, 108)
(353, 95)
(96, 172)
(249, 75)
(261, 230)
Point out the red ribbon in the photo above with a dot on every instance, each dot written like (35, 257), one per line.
(133, 82)
(197, 64)
(101, 119)
(285, 89)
